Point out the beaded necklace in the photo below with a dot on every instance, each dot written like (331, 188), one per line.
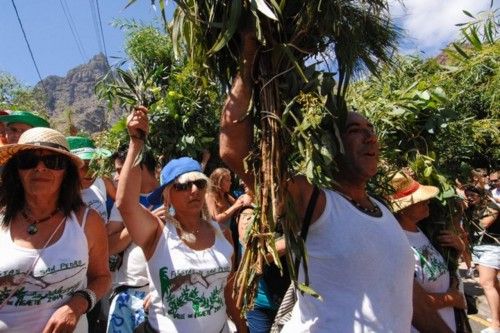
(375, 211)
(32, 227)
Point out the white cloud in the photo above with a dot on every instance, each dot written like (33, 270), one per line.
(429, 25)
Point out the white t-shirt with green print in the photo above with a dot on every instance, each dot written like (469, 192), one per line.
(431, 271)
(188, 285)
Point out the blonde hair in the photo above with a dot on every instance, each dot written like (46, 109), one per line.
(192, 176)
(216, 178)
(205, 216)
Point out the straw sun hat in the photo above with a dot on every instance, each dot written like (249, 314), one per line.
(409, 192)
(39, 138)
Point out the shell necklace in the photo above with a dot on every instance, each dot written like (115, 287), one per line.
(32, 227)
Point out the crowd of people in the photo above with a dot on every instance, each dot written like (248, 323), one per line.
(157, 251)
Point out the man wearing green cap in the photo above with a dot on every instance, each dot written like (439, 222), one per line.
(17, 122)
(94, 189)
(94, 195)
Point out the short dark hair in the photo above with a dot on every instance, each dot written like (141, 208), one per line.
(12, 196)
(148, 159)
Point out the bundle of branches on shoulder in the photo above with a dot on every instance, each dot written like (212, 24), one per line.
(297, 105)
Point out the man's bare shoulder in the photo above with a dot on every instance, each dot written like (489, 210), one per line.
(299, 187)
(301, 190)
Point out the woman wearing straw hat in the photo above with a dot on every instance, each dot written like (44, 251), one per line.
(410, 204)
(189, 259)
(52, 270)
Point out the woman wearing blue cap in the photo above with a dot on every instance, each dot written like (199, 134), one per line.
(189, 259)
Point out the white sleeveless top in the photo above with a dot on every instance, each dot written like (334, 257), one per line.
(60, 271)
(188, 285)
(362, 266)
(95, 198)
(133, 271)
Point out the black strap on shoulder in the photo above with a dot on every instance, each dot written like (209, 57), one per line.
(307, 221)
(309, 211)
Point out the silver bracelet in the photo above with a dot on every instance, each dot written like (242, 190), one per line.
(89, 295)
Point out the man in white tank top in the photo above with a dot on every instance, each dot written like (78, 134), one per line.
(360, 261)
(94, 195)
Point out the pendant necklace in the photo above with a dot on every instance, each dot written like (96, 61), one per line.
(32, 227)
(189, 237)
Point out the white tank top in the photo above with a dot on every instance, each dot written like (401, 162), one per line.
(95, 198)
(362, 266)
(188, 285)
(133, 271)
(60, 271)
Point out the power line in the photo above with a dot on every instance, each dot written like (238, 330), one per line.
(96, 26)
(72, 27)
(100, 27)
(28, 44)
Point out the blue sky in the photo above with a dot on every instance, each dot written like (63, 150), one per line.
(429, 26)
(53, 45)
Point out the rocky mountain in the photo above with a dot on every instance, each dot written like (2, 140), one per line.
(71, 100)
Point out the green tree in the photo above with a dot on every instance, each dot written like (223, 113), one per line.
(446, 107)
(16, 96)
(184, 116)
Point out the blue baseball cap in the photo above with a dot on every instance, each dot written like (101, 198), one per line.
(170, 173)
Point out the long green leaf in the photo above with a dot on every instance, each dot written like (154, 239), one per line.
(264, 9)
(468, 14)
(163, 14)
(232, 25)
(460, 51)
(129, 3)
(295, 62)
(474, 38)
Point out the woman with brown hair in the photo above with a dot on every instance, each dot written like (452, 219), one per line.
(221, 204)
(52, 269)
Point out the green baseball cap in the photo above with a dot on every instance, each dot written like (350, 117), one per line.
(24, 117)
(84, 148)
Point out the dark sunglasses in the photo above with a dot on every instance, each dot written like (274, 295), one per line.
(200, 184)
(30, 160)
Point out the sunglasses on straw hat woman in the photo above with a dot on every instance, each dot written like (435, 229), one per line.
(52, 267)
(410, 204)
(188, 257)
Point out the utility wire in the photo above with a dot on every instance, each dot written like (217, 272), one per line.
(100, 27)
(96, 26)
(28, 44)
(72, 27)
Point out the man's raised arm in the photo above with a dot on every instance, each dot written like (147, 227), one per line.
(236, 128)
